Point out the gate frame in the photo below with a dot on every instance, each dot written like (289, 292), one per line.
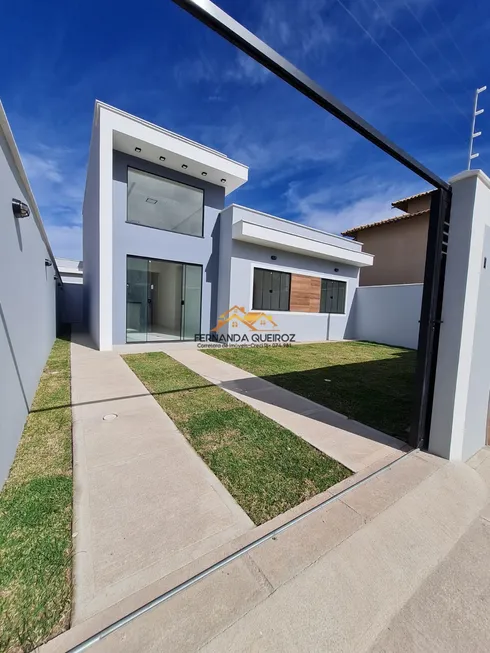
(435, 263)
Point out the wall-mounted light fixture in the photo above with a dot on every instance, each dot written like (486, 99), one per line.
(162, 158)
(273, 258)
(137, 149)
(336, 269)
(47, 263)
(184, 166)
(20, 209)
(223, 181)
(204, 174)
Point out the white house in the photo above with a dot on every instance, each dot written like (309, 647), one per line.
(164, 260)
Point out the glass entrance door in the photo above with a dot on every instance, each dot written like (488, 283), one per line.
(163, 300)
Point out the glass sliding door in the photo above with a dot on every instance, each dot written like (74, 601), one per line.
(191, 319)
(136, 299)
(163, 300)
(165, 306)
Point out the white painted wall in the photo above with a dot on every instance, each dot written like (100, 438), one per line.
(462, 385)
(307, 326)
(91, 245)
(388, 314)
(27, 299)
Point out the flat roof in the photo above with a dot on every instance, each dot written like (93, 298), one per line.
(289, 222)
(149, 142)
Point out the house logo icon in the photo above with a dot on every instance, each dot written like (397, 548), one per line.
(254, 321)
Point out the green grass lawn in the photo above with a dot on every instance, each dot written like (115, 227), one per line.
(35, 517)
(370, 383)
(265, 467)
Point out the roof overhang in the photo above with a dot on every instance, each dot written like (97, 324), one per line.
(164, 148)
(403, 203)
(267, 237)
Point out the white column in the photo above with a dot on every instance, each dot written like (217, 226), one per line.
(462, 385)
(105, 232)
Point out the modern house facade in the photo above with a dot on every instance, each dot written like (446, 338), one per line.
(164, 260)
(398, 243)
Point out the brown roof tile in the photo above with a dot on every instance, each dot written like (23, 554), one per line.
(412, 197)
(396, 218)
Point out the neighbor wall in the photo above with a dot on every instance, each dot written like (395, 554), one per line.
(388, 314)
(27, 301)
(399, 250)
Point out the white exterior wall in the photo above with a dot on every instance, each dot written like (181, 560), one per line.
(388, 314)
(27, 299)
(114, 129)
(462, 385)
(238, 259)
(307, 326)
(91, 239)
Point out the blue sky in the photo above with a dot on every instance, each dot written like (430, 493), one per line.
(410, 67)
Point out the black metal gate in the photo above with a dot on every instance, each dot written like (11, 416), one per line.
(435, 265)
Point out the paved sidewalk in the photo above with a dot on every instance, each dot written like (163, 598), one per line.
(145, 504)
(398, 564)
(355, 445)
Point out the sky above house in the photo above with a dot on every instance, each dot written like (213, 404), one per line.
(409, 67)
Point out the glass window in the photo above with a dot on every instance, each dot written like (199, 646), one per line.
(332, 299)
(271, 290)
(164, 204)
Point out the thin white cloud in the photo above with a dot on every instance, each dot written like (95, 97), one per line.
(38, 167)
(65, 241)
(335, 208)
(58, 185)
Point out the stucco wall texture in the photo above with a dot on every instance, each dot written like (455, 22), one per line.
(399, 250)
(27, 309)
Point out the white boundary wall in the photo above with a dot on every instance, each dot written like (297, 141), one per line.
(462, 385)
(388, 314)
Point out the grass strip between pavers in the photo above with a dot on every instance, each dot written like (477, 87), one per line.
(265, 467)
(371, 383)
(36, 517)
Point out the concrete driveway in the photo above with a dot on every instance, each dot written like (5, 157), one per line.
(145, 504)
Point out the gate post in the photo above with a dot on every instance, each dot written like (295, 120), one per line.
(462, 379)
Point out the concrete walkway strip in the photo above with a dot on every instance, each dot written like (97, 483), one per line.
(353, 444)
(145, 503)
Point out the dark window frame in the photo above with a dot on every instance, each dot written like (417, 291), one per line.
(283, 275)
(163, 260)
(174, 181)
(336, 286)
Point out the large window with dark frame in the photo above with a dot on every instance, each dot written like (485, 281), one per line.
(161, 203)
(271, 290)
(332, 298)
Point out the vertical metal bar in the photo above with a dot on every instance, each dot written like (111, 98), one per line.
(430, 316)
